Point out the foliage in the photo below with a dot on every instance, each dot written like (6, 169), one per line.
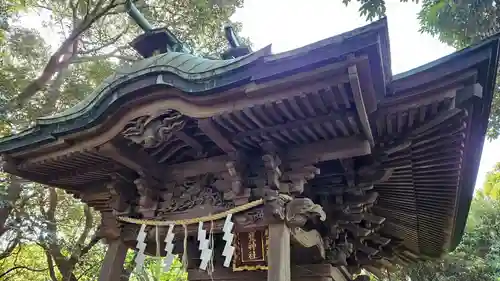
(456, 23)
(460, 23)
(478, 255)
(153, 271)
(47, 234)
(491, 188)
(373, 9)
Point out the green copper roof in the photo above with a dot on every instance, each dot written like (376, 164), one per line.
(183, 65)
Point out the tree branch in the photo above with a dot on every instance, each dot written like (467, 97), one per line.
(50, 263)
(102, 57)
(13, 194)
(80, 249)
(8, 251)
(21, 267)
(110, 42)
(55, 62)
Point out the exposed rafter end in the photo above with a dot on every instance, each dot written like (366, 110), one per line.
(466, 93)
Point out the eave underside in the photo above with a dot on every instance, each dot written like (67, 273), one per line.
(418, 200)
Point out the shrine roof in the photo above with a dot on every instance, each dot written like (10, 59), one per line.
(196, 76)
(442, 108)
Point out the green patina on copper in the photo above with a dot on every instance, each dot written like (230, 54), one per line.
(185, 66)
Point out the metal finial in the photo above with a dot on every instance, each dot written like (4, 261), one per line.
(137, 16)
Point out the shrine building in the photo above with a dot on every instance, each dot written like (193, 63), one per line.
(311, 164)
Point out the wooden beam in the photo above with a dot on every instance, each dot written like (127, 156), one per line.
(208, 127)
(468, 92)
(437, 73)
(320, 151)
(440, 118)
(135, 160)
(296, 124)
(399, 104)
(112, 267)
(304, 154)
(184, 170)
(334, 71)
(189, 141)
(278, 254)
(360, 104)
(430, 95)
(367, 86)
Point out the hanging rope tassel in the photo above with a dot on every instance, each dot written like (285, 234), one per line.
(157, 236)
(185, 246)
(211, 267)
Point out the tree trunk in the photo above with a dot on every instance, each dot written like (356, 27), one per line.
(13, 194)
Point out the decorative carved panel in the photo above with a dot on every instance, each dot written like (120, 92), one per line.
(151, 131)
(192, 193)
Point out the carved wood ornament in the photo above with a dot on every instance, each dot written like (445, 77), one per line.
(191, 193)
(150, 131)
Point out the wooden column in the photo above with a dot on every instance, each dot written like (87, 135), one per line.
(279, 253)
(112, 267)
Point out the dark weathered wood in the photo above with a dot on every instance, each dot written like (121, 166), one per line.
(295, 124)
(190, 141)
(112, 267)
(135, 160)
(207, 126)
(309, 239)
(279, 253)
(360, 104)
(328, 150)
(401, 104)
(464, 94)
(309, 272)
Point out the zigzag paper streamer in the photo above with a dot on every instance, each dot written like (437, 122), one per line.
(169, 247)
(206, 252)
(228, 237)
(141, 246)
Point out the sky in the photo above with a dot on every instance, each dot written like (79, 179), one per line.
(290, 24)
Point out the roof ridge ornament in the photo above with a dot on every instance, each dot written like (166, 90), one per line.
(236, 49)
(153, 41)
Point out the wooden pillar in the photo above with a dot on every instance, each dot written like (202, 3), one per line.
(112, 267)
(278, 253)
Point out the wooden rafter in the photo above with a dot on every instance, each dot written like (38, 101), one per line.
(135, 160)
(303, 154)
(189, 140)
(332, 116)
(360, 104)
(328, 150)
(208, 127)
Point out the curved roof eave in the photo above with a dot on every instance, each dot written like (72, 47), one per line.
(481, 112)
(197, 76)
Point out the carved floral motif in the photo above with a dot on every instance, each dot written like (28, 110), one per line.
(152, 131)
(197, 192)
